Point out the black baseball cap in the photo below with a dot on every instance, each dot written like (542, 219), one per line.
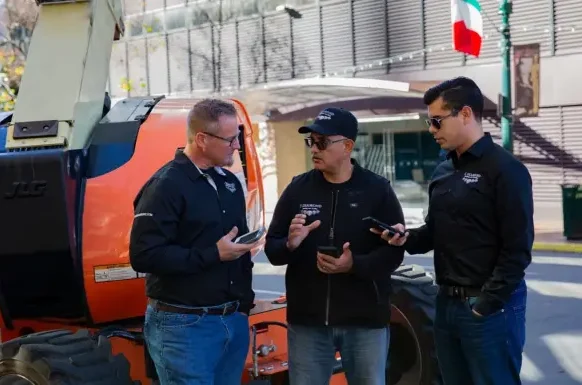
(333, 121)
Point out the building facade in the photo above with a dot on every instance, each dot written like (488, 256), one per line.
(180, 47)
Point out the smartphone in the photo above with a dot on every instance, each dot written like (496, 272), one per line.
(250, 237)
(329, 250)
(383, 226)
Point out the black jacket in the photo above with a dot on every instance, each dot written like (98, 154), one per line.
(179, 218)
(480, 223)
(360, 297)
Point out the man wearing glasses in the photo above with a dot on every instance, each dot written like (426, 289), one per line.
(480, 226)
(199, 283)
(338, 272)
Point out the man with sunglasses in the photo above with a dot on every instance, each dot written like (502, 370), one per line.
(480, 226)
(338, 298)
(199, 282)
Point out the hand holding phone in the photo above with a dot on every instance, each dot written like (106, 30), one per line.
(229, 249)
(395, 235)
(377, 224)
(334, 260)
(250, 237)
(332, 251)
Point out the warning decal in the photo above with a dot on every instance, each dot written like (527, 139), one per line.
(111, 273)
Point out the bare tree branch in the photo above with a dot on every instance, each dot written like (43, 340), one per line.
(214, 14)
(266, 55)
(17, 20)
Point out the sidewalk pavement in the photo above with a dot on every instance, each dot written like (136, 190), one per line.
(555, 241)
(549, 235)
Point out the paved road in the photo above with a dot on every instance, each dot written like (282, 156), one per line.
(553, 353)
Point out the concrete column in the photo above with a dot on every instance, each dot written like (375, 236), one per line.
(290, 152)
(255, 135)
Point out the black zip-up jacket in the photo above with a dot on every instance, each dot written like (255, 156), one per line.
(179, 218)
(360, 297)
(480, 223)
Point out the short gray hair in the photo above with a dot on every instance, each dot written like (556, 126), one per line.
(205, 114)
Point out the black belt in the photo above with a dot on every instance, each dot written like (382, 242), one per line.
(227, 309)
(460, 291)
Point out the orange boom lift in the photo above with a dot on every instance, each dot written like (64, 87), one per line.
(71, 307)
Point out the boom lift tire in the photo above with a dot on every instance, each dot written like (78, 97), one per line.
(412, 329)
(64, 358)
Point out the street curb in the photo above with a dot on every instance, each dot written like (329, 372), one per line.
(558, 247)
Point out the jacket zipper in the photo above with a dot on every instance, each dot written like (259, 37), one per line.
(334, 199)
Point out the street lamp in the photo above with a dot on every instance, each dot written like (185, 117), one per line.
(295, 14)
(505, 9)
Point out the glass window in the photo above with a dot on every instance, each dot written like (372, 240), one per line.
(203, 11)
(170, 3)
(134, 25)
(175, 18)
(154, 5)
(232, 8)
(271, 5)
(299, 3)
(132, 7)
(153, 22)
(249, 8)
(201, 14)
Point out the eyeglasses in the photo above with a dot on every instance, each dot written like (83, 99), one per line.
(229, 140)
(436, 122)
(321, 144)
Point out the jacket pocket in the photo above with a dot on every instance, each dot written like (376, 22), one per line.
(358, 294)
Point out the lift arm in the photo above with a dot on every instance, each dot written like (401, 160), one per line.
(63, 87)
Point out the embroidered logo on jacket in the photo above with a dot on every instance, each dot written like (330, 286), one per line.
(469, 177)
(230, 187)
(309, 209)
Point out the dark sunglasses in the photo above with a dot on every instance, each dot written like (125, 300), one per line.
(436, 122)
(321, 144)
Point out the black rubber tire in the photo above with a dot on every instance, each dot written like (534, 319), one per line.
(414, 296)
(61, 357)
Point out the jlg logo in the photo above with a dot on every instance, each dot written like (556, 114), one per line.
(36, 188)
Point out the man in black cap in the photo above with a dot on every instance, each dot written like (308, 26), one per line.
(338, 298)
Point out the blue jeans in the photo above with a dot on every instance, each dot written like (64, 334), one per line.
(312, 350)
(189, 349)
(475, 350)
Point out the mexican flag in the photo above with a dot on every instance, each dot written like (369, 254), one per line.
(467, 26)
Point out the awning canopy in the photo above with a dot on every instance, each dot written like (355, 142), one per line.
(302, 99)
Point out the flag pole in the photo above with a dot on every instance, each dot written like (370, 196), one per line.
(505, 9)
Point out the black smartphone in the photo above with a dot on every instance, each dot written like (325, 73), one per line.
(329, 250)
(250, 237)
(383, 226)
